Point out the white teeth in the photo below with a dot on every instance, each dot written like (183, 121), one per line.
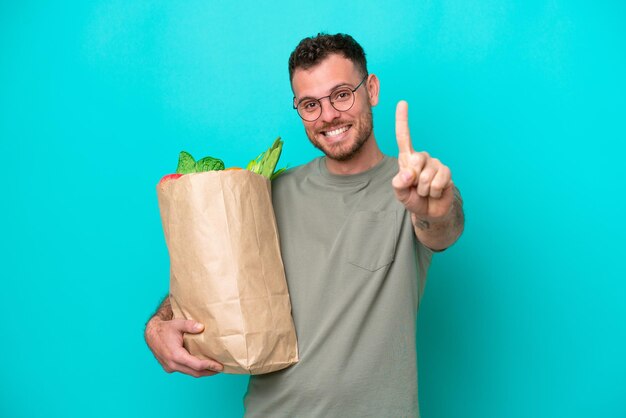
(336, 131)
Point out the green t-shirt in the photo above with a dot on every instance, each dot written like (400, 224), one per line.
(355, 273)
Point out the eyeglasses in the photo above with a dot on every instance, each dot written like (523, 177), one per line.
(341, 99)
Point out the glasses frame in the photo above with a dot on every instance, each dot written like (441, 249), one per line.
(319, 100)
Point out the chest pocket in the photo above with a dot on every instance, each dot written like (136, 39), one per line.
(371, 239)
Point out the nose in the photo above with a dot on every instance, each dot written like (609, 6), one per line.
(329, 113)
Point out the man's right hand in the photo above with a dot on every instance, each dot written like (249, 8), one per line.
(165, 339)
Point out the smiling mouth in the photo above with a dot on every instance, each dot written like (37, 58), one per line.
(335, 132)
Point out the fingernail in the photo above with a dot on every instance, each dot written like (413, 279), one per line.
(198, 326)
(406, 176)
(215, 368)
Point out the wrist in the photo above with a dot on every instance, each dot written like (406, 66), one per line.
(420, 222)
(425, 222)
(159, 316)
(152, 322)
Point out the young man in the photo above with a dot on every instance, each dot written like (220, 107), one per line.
(357, 232)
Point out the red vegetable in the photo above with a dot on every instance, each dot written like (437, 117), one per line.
(169, 177)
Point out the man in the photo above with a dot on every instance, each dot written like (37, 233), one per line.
(357, 232)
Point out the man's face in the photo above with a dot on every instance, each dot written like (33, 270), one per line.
(339, 135)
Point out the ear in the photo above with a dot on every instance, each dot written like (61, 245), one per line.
(373, 88)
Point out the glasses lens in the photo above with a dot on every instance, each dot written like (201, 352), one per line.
(310, 110)
(342, 99)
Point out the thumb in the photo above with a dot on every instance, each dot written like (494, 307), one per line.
(191, 326)
(402, 184)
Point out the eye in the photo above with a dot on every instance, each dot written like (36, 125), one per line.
(309, 105)
(342, 95)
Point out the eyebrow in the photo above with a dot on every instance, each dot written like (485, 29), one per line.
(336, 86)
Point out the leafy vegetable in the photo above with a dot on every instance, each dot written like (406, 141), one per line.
(278, 173)
(266, 162)
(187, 164)
(209, 164)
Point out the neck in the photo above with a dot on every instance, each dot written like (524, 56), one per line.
(367, 157)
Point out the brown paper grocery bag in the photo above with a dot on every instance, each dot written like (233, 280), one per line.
(226, 270)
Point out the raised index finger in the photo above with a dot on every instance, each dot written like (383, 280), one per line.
(402, 127)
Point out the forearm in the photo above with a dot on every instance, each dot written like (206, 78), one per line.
(439, 234)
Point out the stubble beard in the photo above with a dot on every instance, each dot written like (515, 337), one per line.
(341, 151)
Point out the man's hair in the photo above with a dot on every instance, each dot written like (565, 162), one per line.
(311, 51)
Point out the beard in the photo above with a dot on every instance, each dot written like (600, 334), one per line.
(344, 150)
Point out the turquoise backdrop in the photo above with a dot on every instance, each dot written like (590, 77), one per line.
(525, 101)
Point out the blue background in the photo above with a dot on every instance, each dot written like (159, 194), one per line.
(525, 101)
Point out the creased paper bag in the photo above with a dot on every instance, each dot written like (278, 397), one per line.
(226, 269)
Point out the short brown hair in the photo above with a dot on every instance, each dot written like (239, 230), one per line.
(311, 51)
